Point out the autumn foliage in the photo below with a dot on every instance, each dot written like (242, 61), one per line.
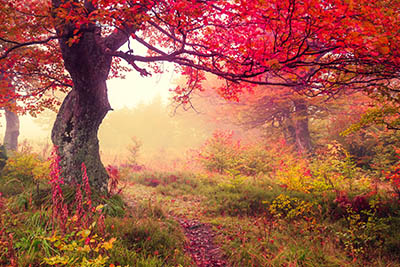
(287, 199)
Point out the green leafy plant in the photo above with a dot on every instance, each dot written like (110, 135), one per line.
(290, 208)
(26, 168)
(220, 152)
(362, 236)
(79, 248)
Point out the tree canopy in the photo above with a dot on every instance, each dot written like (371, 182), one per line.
(309, 45)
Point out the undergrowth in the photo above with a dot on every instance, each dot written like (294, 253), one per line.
(292, 211)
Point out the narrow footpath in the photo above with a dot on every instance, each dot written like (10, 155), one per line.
(201, 246)
(200, 243)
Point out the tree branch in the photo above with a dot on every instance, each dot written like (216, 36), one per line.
(20, 45)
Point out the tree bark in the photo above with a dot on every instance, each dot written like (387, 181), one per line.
(12, 130)
(289, 132)
(75, 129)
(303, 139)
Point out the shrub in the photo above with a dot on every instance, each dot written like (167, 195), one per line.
(220, 152)
(26, 168)
(362, 236)
(133, 150)
(291, 208)
(294, 174)
(332, 168)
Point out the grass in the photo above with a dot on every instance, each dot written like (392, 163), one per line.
(257, 222)
(239, 210)
(144, 235)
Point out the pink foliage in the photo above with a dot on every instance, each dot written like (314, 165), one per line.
(60, 210)
(86, 186)
(83, 209)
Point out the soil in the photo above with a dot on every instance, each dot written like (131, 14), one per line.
(200, 245)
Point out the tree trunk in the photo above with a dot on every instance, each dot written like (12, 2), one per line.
(78, 120)
(303, 139)
(289, 131)
(12, 130)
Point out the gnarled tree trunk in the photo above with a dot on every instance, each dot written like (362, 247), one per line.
(78, 120)
(12, 130)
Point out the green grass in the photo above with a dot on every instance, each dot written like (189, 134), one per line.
(238, 208)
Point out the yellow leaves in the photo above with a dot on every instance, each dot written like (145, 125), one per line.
(41, 170)
(85, 248)
(109, 244)
(99, 207)
(74, 218)
(350, 4)
(84, 233)
(24, 166)
(290, 207)
(57, 260)
(82, 248)
(74, 40)
(384, 50)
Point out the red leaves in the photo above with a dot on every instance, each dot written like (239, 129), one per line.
(394, 176)
(114, 175)
(30, 60)
(306, 45)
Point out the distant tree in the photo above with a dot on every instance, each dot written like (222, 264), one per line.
(156, 127)
(12, 130)
(278, 109)
(12, 121)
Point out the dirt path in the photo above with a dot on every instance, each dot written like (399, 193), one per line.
(200, 236)
(201, 244)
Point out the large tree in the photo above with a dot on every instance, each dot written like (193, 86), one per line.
(311, 46)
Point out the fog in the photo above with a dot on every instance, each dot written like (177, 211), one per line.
(142, 111)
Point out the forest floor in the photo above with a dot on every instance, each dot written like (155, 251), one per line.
(226, 222)
(200, 243)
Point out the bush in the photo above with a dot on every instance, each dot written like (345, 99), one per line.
(330, 169)
(222, 153)
(291, 208)
(26, 169)
(238, 196)
(365, 231)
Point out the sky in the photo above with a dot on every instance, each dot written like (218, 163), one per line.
(127, 92)
(135, 89)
